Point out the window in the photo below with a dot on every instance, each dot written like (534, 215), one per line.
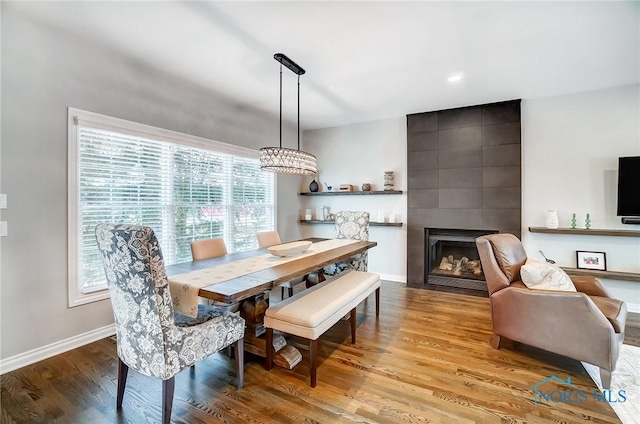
(184, 187)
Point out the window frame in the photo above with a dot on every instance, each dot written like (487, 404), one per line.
(78, 117)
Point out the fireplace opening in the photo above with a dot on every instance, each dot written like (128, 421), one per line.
(452, 259)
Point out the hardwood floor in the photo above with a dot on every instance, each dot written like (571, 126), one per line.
(632, 330)
(427, 359)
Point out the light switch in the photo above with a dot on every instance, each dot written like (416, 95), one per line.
(3, 201)
(3, 228)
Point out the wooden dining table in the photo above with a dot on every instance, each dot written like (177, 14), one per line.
(247, 286)
(249, 290)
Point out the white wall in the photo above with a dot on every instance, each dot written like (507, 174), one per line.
(355, 154)
(570, 149)
(44, 71)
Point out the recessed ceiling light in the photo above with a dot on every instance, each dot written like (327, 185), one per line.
(455, 78)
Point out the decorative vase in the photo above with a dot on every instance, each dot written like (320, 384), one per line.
(313, 187)
(325, 213)
(587, 222)
(388, 180)
(573, 221)
(552, 219)
(366, 187)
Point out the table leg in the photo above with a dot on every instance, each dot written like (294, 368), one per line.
(314, 278)
(269, 349)
(252, 310)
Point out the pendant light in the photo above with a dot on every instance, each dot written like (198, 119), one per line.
(280, 159)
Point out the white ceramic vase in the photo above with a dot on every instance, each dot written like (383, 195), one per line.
(552, 219)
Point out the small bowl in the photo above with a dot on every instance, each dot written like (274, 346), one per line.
(289, 249)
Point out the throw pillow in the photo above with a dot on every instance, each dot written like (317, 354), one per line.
(544, 276)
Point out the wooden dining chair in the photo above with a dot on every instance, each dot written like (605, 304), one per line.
(272, 238)
(151, 338)
(268, 238)
(208, 248)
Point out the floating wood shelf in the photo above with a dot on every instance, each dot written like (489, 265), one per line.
(582, 231)
(612, 275)
(371, 223)
(344, 193)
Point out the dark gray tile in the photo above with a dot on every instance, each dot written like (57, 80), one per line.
(415, 264)
(420, 141)
(419, 217)
(460, 117)
(423, 160)
(470, 219)
(415, 273)
(507, 154)
(418, 122)
(415, 254)
(467, 198)
(460, 158)
(498, 113)
(423, 198)
(515, 231)
(457, 138)
(493, 135)
(415, 235)
(460, 178)
(503, 220)
(501, 176)
(501, 198)
(422, 178)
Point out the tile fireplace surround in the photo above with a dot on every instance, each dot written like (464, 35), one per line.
(464, 172)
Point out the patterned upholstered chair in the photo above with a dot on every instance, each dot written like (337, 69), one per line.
(151, 338)
(353, 226)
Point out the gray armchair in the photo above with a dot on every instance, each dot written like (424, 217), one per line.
(587, 325)
(151, 338)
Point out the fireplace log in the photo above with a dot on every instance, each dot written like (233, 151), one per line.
(460, 266)
(445, 265)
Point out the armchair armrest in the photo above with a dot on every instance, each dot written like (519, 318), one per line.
(567, 323)
(590, 285)
(548, 306)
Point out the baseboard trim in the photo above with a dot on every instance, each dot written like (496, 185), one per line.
(31, 357)
(633, 307)
(399, 278)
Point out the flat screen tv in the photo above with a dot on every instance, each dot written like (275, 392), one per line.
(629, 186)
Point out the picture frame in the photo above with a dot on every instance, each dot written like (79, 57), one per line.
(591, 260)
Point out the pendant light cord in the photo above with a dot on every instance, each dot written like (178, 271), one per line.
(281, 108)
(298, 110)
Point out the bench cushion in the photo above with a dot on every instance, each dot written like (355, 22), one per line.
(312, 312)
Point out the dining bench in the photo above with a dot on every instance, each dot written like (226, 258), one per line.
(310, 313)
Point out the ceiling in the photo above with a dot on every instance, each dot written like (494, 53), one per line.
(369, 60)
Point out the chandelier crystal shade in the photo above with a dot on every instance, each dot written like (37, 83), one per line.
(287, 161)
(282, 160)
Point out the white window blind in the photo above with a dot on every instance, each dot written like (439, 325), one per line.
(184, 193)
